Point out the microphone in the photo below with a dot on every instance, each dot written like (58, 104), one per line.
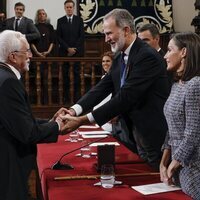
(60, 166)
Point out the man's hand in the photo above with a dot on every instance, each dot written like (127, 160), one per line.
(71, 51)
(63, 111)
(72, 123)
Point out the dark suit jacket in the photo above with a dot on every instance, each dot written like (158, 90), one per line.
(26, 27)
(19, 132)
(141, 99)
(70, 35)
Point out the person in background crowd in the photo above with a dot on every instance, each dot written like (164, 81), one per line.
(70, 33)
(181, 157)
(20, 131)
(2, 21)
(44, 46)
(138, 82)
(107, 59)
(150, 34)
(22, 24)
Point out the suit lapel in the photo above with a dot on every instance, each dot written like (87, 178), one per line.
(21, 24)
(132, 54)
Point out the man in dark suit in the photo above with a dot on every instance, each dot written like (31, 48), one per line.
(150, 34)
(19, 130)
(140, 90)
(22, 24)
(70, 32)
(2, 21)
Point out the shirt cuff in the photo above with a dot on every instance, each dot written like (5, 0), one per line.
(78, 109)
(90, 117)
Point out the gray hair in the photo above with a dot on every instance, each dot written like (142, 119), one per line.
(10, 41)
(37, 14)
(122, 18)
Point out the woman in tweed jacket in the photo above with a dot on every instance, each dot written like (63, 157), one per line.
(181, 156)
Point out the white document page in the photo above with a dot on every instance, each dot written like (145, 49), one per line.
(155, 188)
(104, 143)
(94, 136)
(94, 132)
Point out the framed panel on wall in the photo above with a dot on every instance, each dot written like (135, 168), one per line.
(158, 12)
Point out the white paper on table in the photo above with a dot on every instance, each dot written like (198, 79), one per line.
(94, 136)
(94, 132)
(89, 126)
(104, 143)
(155, 188)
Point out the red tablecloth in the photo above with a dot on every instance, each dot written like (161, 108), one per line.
(126, 163)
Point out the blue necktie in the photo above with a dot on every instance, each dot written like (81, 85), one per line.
(123, 70)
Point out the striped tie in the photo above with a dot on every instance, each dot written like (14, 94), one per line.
(123, 69)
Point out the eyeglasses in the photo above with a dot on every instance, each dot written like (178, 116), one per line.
(28, 51)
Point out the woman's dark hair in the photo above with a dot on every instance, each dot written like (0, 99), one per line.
(108, 53)
(190, 41)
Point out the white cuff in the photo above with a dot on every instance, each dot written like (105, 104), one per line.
(78, 109)
(90, 117)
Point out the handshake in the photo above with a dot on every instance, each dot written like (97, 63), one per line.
(68, 121)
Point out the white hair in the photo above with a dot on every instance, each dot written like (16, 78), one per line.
(10, 41)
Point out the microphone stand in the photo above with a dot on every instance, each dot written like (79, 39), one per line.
(60, 166)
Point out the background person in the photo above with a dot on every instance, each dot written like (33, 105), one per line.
(20, 131)
(2, 21)
(70, 33)
(107, 59)
(150, 34)
(43, 47)
(22, 24)
(181, 157)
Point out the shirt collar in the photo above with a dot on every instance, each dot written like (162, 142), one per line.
(69, 17)
(18, 18)
(158, 49)
(127, 51)
(15, 71)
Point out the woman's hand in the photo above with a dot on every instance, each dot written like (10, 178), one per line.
(174, 165)
(163, 174)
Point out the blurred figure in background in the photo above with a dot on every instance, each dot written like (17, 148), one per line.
(22, 24)
(2, 21)
(181, 157)
(70, 33)
(43, 47)
(150, 34)
(107, 59)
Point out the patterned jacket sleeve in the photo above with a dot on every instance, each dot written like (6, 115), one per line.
(166, 142)
(188, 148)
